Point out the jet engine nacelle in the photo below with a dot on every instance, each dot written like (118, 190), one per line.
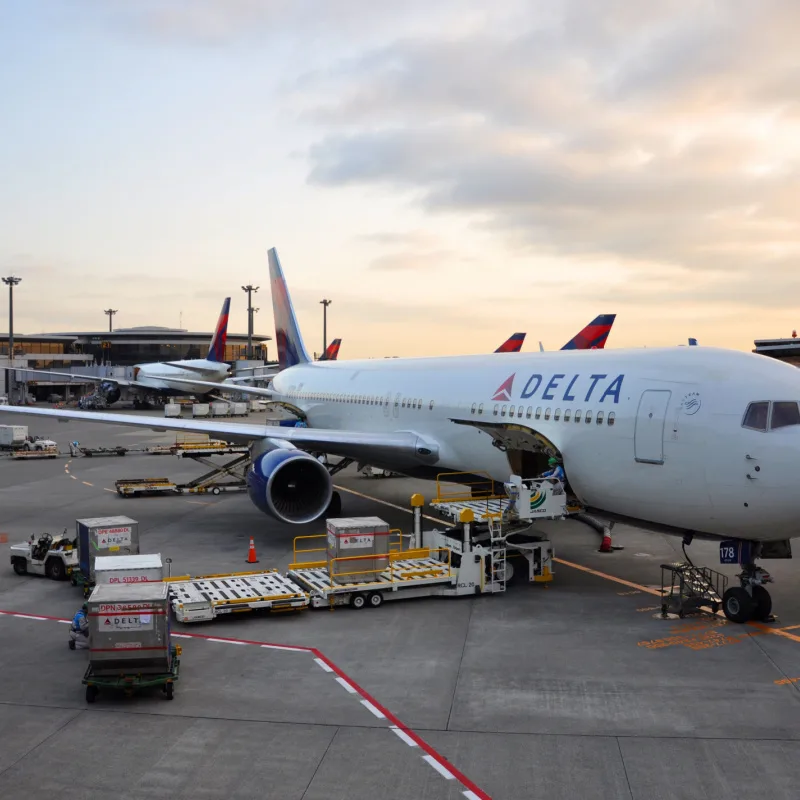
(289, 485)
(110, 391)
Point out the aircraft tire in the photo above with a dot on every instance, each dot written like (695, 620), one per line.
(737, 605)
(335, 506)
(763, 604)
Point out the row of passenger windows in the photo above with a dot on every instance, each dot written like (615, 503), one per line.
(764, 415)
(364, 400)
(547, 413)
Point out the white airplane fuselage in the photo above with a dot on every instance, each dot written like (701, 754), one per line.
(162, 377)
(678, 456)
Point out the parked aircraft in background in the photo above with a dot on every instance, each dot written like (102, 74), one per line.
(166, 377)
(593, 337)
(697, 442)
(513, 344)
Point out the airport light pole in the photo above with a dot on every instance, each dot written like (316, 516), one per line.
(325, 304)
(110, 312)
(249, 289)
(11, 282)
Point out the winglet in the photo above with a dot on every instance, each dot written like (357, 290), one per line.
(541, 346)
(332, 351)
(216, 350)
(513, 344)
(594, 335)
(291, 350)
(692, 342)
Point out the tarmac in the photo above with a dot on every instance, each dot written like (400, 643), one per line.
(579, 689)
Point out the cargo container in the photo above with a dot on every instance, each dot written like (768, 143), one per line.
(200, 410)
(13, 436)
(143, 568)
(357, 536)
(239, 409)
(256, 405)
(105, 536)
(129, 629)
(172, 410)
(220, 409)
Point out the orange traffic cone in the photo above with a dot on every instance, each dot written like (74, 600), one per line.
(251, 555)
(605, 546)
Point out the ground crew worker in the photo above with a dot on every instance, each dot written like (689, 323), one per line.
(556, 472)
(79, 629)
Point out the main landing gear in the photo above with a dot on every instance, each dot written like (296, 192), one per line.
(750, 600)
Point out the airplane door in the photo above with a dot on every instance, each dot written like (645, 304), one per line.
(648, 437)
(387, 401)
(396, 409)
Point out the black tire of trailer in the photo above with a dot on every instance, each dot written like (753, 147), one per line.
(215, 490)
(334, 508)
(375, 600)
(358, 601)
(54, 569)
(170, 690)
(20, 565)
(91, 693)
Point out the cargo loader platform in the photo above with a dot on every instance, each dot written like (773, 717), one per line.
(204, 598)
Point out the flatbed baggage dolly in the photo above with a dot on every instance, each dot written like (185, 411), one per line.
(129, 683)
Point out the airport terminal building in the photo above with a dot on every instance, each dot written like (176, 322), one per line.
(113, 353)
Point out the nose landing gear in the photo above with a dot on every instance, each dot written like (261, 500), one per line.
(750, 600)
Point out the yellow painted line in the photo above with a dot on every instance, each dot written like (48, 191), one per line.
(776, 631)
(86, 483)
(113, 491)
(790, 627)
(607, 577)
(391, 505)
(199, 503)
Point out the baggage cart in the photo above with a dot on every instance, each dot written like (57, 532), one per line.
(128, 683)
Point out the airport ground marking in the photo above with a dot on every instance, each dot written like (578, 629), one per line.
(431, 756)
(86, 483)
(786, 681)
(113, 491)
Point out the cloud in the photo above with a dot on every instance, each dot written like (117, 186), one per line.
(647, 137)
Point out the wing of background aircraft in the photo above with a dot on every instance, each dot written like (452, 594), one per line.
(255, 391)
(513, 344)
(75, 377)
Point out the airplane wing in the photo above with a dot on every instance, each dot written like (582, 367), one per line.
(221, 387)
(75, 376)
(398, 447)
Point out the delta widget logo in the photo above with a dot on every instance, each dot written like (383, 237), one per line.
(506, 387)
(691, 403)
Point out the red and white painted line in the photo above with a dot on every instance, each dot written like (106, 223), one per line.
(430, 756)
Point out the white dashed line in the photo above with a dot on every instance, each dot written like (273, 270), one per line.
(30, 616)
(375, 711)
(470, 795)
(86, 483)
(323, 665)
(403, 735)
(113, 491)
(346, 685)
(278, 647)
(180, 636)
(73, 477)
(443, 771)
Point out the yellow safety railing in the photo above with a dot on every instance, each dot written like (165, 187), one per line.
(395, 575)
(452, 487)
(395, 550)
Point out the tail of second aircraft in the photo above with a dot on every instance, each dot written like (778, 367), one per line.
(594, 335)
(513, 344)
(291, 350)
(331, 351)
(216, 350)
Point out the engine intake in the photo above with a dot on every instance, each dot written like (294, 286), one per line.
(289, 485)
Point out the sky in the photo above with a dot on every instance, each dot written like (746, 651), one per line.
(446, 172)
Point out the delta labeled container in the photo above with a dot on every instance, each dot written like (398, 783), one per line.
(142, 568)
(357, 536)
(129, 629)
(105, 536)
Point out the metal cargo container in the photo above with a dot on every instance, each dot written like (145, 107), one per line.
(200, 410)
(220, 408)
(256, 405)
(144, 568)
(105, 536)
(172, 410)
(357, 536)
(13, 435)
(129, 629)
(238, 409)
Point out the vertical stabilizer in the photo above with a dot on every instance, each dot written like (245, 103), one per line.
(216, 350)
(332, 351)
(594, 335)
(513, 344)
(291, 350)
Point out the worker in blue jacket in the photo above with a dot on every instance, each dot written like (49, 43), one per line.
(556, 472)
(79, 629)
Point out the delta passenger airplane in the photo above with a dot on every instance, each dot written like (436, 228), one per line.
(693, 441)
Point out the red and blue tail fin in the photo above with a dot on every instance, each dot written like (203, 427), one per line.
(216, 351)
(594, 335)
(513, 344)
(331, 351)
(291, 350)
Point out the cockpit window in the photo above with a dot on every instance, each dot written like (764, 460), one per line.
(783, 415)
(756, 416)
